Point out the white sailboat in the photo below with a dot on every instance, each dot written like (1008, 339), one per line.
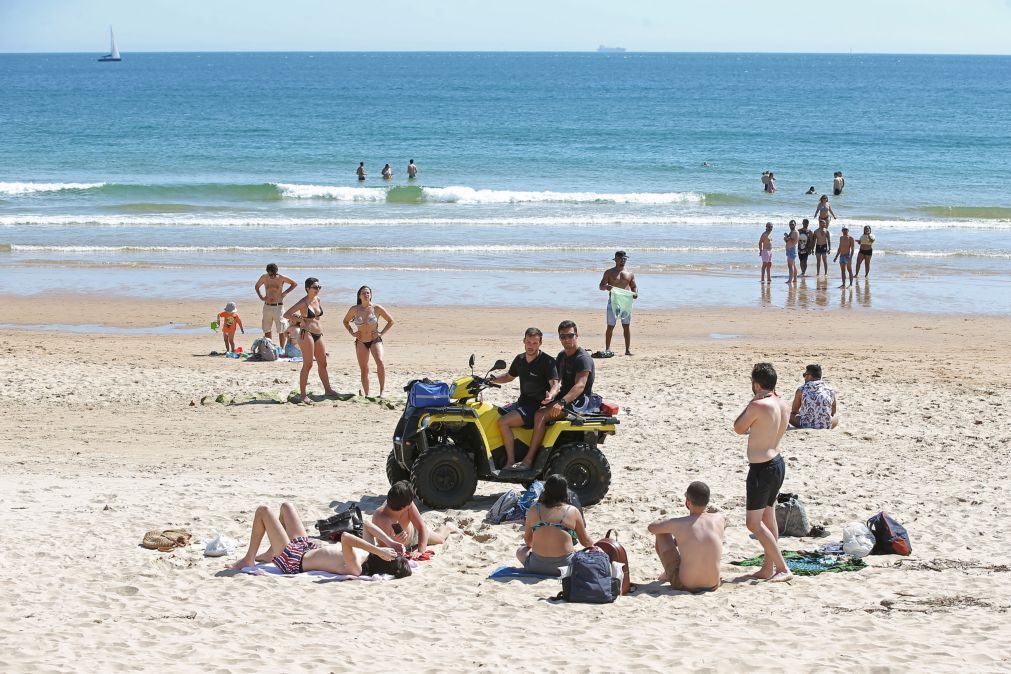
(113, 54)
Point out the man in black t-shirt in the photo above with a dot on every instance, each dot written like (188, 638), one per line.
(576, 370)
(538, 377)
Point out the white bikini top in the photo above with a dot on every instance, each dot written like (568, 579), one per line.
(370, 318)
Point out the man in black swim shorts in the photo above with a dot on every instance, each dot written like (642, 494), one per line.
(538, 374)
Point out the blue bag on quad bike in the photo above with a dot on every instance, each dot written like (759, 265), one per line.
(428, 394)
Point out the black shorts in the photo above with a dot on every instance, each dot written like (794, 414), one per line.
(803, 256)
(526, 410)
(821, 249)
(867, 253)
(764, 481)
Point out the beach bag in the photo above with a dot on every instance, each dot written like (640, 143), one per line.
(589, 579)
(858, 541)
(791, 516)
(502, 507)
(890, 537)
(428, 394)
(615, 551)
(526, 501)
(348, 520)
(264, 349)
(291, 350)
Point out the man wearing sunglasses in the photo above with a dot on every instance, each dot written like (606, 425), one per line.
(272, 295)
(573, 390)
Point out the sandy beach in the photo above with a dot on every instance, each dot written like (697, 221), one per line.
(104, 438)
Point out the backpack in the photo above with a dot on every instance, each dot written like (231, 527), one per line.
(791, 516)
(589, 579)
(616, 553)
(526, 501)
(428, 394)
(264, 349)
(348, 520)
(502, 507)
(890, 537)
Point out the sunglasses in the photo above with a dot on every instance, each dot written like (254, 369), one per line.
(316, 287)
(567, 335)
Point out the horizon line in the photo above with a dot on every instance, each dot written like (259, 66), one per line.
(503, 51)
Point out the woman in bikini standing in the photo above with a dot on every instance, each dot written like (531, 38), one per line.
(306, 314)
(368, 337)
(552, 529)
(865, 252)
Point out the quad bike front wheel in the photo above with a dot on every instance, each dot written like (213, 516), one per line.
(394, 472)
(586, 470)
(444, 476)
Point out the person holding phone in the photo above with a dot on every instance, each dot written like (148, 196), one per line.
(400, 519)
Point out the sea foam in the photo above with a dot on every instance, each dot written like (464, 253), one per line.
(19, 189)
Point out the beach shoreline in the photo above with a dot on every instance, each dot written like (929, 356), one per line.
(106, 437)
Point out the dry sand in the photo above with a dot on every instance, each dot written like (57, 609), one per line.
(100, 444)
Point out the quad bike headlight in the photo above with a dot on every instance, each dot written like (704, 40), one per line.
(425, 421)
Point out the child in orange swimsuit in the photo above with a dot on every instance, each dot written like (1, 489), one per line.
(229, 320)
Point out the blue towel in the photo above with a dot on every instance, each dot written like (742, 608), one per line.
(507, 572)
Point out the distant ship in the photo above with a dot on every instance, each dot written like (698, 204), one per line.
(113, 54)
(610, 50)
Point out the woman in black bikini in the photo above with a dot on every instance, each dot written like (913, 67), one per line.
(306, 314)
(368, 337)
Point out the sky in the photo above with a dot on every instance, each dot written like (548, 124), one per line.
(862, 26)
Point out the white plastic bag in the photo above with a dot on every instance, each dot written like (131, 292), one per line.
(219, 546)
(858, 540)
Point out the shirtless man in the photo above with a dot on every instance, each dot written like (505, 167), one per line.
(844, 255)
(690, 547)
(618, 277)
(765, 252)
(764, 421)
(273, 295)
(400, 519)
(361, 170)
(822, 245)
(791, 238)
(838, 183)
(823, 211)
(412, 170)
(292, 551)
(805, 242)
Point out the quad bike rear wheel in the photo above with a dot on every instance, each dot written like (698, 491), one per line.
(444, 476)
(586, 470)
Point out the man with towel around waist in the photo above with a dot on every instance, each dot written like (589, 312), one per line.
(764, 421)
(272, 295)
(619, 282)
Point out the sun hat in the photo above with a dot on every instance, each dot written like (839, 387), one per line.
(620, 254)
(230, 306)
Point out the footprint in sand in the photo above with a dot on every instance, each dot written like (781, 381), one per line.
(126, 590)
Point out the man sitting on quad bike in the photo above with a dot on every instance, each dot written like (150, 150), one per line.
(576, 369)
(538, 378)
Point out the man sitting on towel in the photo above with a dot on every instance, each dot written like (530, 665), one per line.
(690, 547)
(400, 519)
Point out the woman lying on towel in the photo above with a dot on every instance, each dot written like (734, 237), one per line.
(291, 551)
(552, 529)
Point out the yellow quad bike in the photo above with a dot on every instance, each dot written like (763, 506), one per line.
(445, 450)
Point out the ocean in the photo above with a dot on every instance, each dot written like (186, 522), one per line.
(183, 175)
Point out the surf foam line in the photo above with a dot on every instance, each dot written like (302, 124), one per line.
(461, 194)
(20, 189)
(500, 248)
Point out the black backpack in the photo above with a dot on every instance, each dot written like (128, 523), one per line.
(589, 580)
(348, 520)
(890, 537)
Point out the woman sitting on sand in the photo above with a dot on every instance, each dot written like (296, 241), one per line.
(291, 551)
(866, 250)
(552, 529)
(368, 337)
(306, 314)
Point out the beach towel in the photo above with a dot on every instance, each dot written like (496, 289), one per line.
(803, 563)
(621, 303)
(263, 569)
(509, 572)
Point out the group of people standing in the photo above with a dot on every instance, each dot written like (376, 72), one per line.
(800, 243)
(387, 173)
(302, 322)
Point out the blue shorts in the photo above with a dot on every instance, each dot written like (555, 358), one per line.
(613, 320)
(791, 253)
(526, 410)
(845, 259)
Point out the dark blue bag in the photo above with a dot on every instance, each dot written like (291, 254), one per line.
(890, 537)
(590, 580)
(428, 394)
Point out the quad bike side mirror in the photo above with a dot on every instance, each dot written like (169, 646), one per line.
(499, 365)
(472, 361)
